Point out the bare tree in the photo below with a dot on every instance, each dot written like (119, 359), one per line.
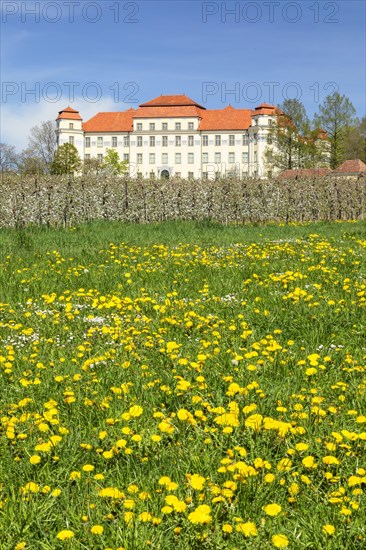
(8, 158)
(42, 143)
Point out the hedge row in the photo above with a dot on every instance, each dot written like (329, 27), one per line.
(60, 200)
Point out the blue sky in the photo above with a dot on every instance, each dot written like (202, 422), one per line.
(110, 55)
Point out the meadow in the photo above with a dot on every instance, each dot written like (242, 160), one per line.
(183, 385)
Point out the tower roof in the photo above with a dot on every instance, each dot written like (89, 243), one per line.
(69, 113)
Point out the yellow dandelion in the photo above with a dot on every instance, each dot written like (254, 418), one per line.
(308, 462)
(272, 509)
(97, 530)
(197, 482)
(247, 529)
(200, 515)
(65, 534)
(328, 529)
(280, 541)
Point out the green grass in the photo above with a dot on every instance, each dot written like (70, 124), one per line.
(200, 327)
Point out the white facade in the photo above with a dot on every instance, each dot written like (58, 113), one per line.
(175, 137)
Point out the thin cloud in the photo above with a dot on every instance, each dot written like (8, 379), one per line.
(17, 120)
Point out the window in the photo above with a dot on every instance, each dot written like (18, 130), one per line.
(255, 138)
(245, 139)
(71, 140)
(231, 140)
(231, 158)
(204, 140)
(190, 141)
(178, 141)
(270, 122)
(126, 141)
(217, 157)
(191, 175)
(71, 125)
(100, 157)
(269, 174)
(164, 158)
(152, 126)
(139, 174)
(139, 158)
(152, 175)
(178, 125)
(139, 141)
(87, 157)
(245, 157)
(100, 142)
(87, 142)
(178, 174)
(269, 139)
(114, 142)
(164, 126)
(126, 156)
(152, 141)
(204, 157)
(139, 126)
(190, 158)
(217, 140)
(205, 175)
(165, 141)
(151, 158)
(245, 174)
(190, 125)
(178, 158)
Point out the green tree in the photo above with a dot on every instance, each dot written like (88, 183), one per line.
(66, 160)
(295, 110)
(355, 141)
(335, 116)
(288, 148)
(92, 166)
(112, 163)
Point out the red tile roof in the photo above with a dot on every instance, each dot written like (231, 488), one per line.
(69, 113)
(304, 173)
(110, 122)
(168, 112)
(351, 167)
(171, 100)
(226, 119)
(178, 106)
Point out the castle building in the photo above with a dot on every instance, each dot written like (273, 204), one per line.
(173, 135)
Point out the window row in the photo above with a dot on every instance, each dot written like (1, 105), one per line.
(205, 158)
(101, 143)
(233, 139)
(178, 158)
(164, 140)
(164, 126)
(164, 158)
(100, 157)
(231, 158)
